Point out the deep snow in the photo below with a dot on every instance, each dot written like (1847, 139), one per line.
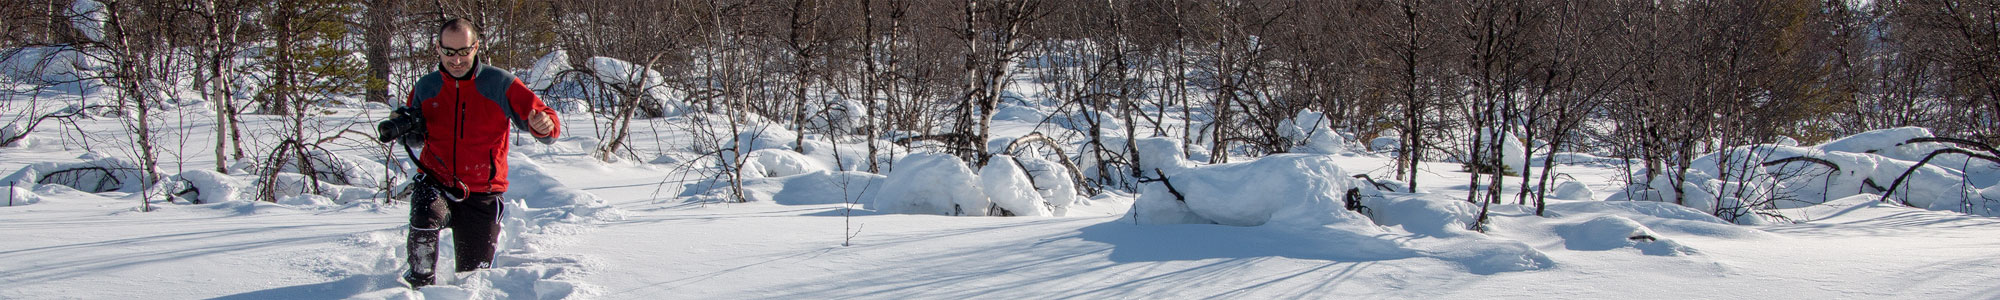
(817, 227)
(643, 243)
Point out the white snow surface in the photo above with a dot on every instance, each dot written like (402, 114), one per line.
(931, 183)
(816, 227)
(1286, 189)
(1735, 181)
(1009, 188)
(1312, 132)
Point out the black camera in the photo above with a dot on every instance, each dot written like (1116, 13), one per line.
(406, 124)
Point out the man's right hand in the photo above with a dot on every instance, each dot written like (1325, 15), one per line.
(539, 122)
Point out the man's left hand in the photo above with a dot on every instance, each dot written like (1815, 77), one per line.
(539, 121)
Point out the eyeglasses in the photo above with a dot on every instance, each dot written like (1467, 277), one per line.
(457, 52)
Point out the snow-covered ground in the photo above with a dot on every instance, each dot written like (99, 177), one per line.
(645, 243)
(1275, 227)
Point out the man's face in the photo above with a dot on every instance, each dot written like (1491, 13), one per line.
(455, 51)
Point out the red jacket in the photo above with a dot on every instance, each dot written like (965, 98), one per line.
(465, 120)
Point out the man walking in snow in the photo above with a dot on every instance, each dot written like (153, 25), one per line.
(467, 108)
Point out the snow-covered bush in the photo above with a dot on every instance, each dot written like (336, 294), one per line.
(10, 132)
(1571, 158)
(569, 106)
(1513, 156)
(1052, 181)
(89, 18)
(543, 74)
(1312, 132)
(53, 65)
(1385, 144)
(1011, 112)
(96, 174)
(1010, 189)
(1155, 154)
(764, 135)
(1572, 190)
(553, 76)
(931, 183)
(849, 156)
(779, 163)
(207, 186)
(1080, 121)
(1736, 183)
(1290, 189)
(341, 169)
(295, 184)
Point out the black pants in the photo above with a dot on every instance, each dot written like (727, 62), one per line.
(474, 223)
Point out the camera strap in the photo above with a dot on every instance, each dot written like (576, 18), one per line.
(429, 179)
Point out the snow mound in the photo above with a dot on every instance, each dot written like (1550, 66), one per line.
(818, 187)
(1513, 153)
(765, 136)
(1385, 144)
(543, 74)
(305, 200)
(294, 184)
(1484, 255)
(89, 19)
(1155, 155)
(1008, 111)
(1572, 190)
(17, 196)
(1664, 217)
(96, 174)
(1886, 142)
(779, 163)
(11, 131)
(1423, 214)
(1312, 132)
(341, 169)
(1289, 189)
(1080, 121)
(207, 186)
(66, 68)
(1010, 189)
(1743, 184)
(536, 189)
(1613, 232)
(931, 183)
(554, 76)
(1052, 181)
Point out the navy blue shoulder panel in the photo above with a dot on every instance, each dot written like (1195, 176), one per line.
(427, 88)
(493, 83)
